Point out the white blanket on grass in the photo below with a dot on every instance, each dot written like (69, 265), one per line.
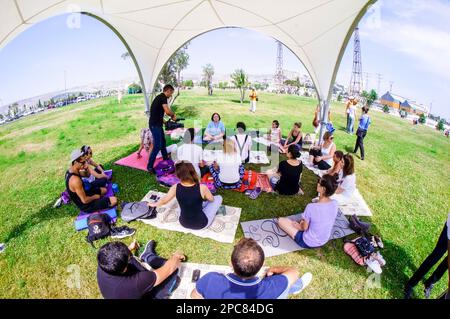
(186, 285)
(275, 241)
(223, 228)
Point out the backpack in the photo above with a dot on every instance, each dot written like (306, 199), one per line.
(351, 250)
(98, 227)
(168, 180)
(364, 246)
(165, 167)
(135, 210)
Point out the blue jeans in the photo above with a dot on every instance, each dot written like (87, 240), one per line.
(299, 240)
(159, 144)
(350, 124)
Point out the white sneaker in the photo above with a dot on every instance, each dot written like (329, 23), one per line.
(301, 284)
(380, 259)
(373, 264)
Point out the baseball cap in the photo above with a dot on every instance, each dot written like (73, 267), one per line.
(76, 155)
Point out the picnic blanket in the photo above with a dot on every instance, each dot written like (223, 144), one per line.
(141, 163)
(275, 241)
(185, 272)
(223, 228)
(263, 141)
(256, 157)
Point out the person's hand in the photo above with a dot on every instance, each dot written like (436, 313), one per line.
(133, 246)
(152, 204)
(174, 117)
(139, 155)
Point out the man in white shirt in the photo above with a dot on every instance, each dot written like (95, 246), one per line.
(442, 247)
(191, 152)
(243, 142)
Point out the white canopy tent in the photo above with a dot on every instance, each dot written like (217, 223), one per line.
(316, 31)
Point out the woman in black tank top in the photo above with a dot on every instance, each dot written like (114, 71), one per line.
(198, 206)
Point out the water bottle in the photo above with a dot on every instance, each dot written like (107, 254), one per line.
(115, 188)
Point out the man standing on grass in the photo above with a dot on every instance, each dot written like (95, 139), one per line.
(158, 108)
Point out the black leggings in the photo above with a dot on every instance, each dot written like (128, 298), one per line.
(322, 165)
(360, 135)
(439, 251)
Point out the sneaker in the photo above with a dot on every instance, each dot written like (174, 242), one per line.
(380, 259)
(122, 232)
(373, 264)
(428, 290)
(298, 286)
(58, 203)
(2, 247)
(149, 250)
(379, 242)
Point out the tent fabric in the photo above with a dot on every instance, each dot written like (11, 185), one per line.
(316, 31)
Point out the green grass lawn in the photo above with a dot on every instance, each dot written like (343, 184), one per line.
(405, 180)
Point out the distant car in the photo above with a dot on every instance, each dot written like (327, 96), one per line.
(80, 99)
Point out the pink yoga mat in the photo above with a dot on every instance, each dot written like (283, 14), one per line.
(133, 162)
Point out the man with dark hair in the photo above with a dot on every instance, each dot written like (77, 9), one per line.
(364, 123)
(120, 275)
(243, 142)
(158, 108)
(88, 201)
(247, 260)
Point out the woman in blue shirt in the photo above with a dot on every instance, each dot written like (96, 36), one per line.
(215, 130)
(364, 123)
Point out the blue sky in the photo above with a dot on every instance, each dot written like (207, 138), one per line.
(408, 42)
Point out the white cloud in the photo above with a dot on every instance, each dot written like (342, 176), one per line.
(414, 29)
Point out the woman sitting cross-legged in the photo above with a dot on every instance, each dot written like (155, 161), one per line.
(338, 164)
(322, 155)
(286, 181)
(215, 130)
(295, 137)
(315, 227)
(347, 183)
(198, 206)
(228, 170)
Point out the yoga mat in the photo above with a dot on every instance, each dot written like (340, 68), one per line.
(263, 182)
(275, 241)
(141, 163)
(185, 272)
(81, 220)
(223, 229)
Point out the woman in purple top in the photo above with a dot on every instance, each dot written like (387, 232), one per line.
(315, 227)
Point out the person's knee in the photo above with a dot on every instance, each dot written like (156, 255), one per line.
(113, 201)
(218, 199)
(103, 190)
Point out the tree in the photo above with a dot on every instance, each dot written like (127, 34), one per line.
(40, 105)
(440, 125)
(208, 72)
(1, 117)
(422, 119)
(370, 97)
(134, 88)
(188, 83)
(385, 109)
(240, 80)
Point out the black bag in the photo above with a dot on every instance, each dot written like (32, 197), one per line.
(364, 246)
(135, 210)
(173, 125)
(358, 226)
(98, 227)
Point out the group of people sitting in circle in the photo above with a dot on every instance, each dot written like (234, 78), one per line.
(121, 275)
